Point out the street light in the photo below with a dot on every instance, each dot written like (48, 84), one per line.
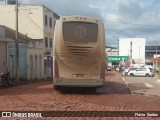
(118, 46)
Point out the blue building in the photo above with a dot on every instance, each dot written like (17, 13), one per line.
(8, 53)
(22, 60)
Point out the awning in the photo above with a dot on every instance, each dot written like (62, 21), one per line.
(155, 59)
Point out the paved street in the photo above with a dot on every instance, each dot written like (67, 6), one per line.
(148, 86)
(114, 96)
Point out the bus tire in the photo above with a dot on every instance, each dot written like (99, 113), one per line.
(56, 87)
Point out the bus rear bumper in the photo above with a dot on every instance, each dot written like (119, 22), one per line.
(78, 82)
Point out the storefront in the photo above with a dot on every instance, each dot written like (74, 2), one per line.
(115, 61)
(156, 61)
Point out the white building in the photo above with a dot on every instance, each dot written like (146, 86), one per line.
(111, 51)
(35, 62)
(35, 21)
(134, 48)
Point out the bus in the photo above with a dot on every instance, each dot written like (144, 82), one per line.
(78, 52)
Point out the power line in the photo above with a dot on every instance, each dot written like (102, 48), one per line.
(39, 27)
(137, 24)
(119, 22)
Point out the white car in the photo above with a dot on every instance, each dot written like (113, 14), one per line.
(125, 72)
(109, 68)
(143, 71)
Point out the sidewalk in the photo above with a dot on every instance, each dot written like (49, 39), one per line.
(28, 82)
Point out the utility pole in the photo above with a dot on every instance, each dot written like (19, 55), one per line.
(118, 46)
(131, 53)
(139, 56)
(156, 56)
(17, 42)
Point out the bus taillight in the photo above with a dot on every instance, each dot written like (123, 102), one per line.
(56, 69)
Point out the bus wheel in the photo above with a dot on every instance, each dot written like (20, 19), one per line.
(56, 87)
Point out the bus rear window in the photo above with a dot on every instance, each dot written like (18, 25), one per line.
(80, 31)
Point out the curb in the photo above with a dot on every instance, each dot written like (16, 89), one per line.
(125, 81)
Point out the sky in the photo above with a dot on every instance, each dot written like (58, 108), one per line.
(122, 18)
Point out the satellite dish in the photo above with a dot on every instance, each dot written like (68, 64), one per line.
(11, 2)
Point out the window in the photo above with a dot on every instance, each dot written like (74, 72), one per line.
(50, 22)
(80, 31)
(46, 42)
(54, 24)
(46, 20)
(141, 69)
(50, 42)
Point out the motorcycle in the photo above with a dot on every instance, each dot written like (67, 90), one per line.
(6, 80)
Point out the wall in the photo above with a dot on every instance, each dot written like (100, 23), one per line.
(32, 24)
(2, 31)
(30, 19)
(35, 60)
(22, 60)
(49, 30)
(138, 49)
(3, 57)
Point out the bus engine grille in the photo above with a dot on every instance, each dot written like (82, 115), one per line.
(80, 50)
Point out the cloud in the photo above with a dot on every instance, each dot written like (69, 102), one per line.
(130, 11)
(133, 19)
(122, 18)
(69, 7)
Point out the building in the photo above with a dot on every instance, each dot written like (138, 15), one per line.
(36, 22)
(111, 51)
(3, 51)
(31, 53)
(156, 61)
(7, 52)
(151, 51)
(134, 48)
(35, 62)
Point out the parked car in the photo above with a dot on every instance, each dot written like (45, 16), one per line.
(125, 72)
(109, 68)
(143, 71)
(115, 68)
(147, 66)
